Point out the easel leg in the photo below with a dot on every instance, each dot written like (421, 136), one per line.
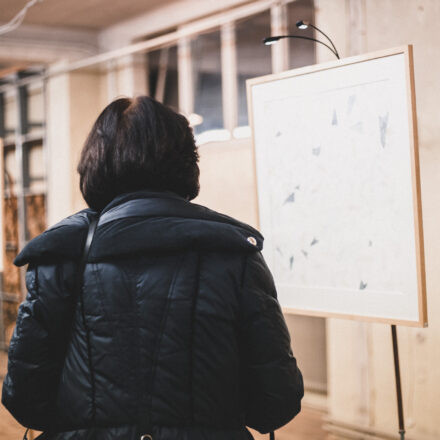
(398, 384)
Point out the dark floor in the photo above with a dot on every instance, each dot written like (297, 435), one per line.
(306, 426)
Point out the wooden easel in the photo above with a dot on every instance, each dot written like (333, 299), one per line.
(398, 384)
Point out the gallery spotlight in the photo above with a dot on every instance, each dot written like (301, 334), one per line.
(302, 24)
(271, 40)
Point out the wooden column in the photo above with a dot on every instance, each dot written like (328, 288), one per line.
(229, 76)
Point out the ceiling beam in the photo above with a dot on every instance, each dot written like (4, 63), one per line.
(41, 44)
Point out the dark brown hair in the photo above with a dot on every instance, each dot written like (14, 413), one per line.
(138, 143)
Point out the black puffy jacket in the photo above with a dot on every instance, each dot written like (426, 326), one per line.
(180, 337)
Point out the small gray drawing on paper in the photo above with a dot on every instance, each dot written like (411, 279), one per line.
(291, 260)
(304, 253)
(290, 199)
(383, 126)
(314, 241)
(334, 118)
(351, 101)
(316, 151)
(279, 250)
(362, 285)
(278, 134)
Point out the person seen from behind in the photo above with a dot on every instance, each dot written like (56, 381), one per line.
(177, 333)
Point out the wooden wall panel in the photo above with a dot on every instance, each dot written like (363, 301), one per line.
(36, 214)
(11, 274)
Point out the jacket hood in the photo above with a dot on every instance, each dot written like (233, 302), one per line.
(142, 221)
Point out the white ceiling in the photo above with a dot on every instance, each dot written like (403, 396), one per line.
(85, 14)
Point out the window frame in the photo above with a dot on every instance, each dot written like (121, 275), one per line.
(226, 23)
(18, 139)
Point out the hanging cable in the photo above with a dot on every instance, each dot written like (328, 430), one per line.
(18, 19)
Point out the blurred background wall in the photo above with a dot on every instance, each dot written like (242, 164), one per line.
(195, 56)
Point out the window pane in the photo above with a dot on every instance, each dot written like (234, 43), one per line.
(162, 68)
(10, 115)
(11, 273)
(35, 109)
(301, 52)
(207, 77)
(253, 57)
(10, 169)
(33, 167)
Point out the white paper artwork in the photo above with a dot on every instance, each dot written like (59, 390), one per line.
(333, 162)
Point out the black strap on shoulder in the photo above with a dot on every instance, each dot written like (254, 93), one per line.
(79, 292)
(272, 436)
(90, 234)
(82, 263)
(78, 284)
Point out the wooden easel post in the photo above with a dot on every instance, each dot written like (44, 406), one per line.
(398, 384)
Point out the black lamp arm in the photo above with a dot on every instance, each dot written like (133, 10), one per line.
(279, 37)
(326, 36)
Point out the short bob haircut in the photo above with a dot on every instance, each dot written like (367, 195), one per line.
(135, 144)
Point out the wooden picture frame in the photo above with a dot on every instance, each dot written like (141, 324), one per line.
(2, 207)
(330, 68)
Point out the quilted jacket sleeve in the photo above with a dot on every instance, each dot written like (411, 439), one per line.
(37, 346)
(273, 382)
